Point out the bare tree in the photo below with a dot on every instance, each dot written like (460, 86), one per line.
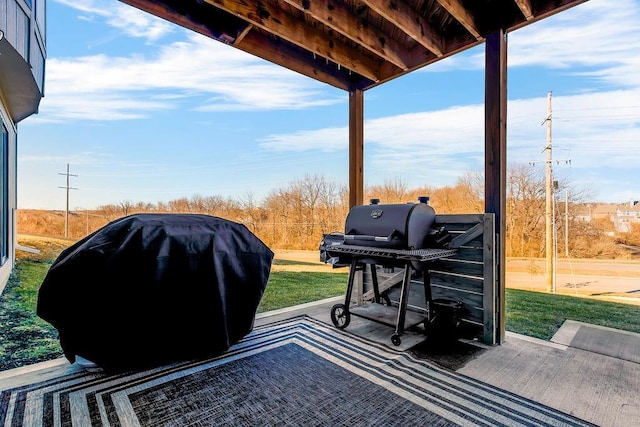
(525, 211)
(212, 205)
(126, 207)
(303, 211)
(251, 211)
(393, 190)
(297, 215)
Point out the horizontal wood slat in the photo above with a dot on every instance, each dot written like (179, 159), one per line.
(467, 268)
(462, 284)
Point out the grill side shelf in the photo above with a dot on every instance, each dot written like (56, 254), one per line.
(410, 255)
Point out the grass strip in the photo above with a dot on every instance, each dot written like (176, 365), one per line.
(540, 315)
(24, 337)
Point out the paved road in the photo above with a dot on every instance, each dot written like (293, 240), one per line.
(604, 279)
(571, 282)
(630, 268)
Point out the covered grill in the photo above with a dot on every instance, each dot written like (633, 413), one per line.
(151, 289)
(391, 235)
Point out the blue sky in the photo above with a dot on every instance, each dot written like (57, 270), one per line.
(144, 110)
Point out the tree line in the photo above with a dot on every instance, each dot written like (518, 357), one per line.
(297, 216)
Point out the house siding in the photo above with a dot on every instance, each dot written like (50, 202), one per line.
(10, 205)
(22, 24)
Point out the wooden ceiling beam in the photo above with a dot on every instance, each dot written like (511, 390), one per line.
(273, 51)
(338, 17)
(403, 16)
(242, 35)
(462, 15)
(276, 21)
(525, 8)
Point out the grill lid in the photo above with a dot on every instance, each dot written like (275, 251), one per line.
(394, 226)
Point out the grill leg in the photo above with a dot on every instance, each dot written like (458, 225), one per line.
(404, 299)
(352, 276)
(427, 295)
(374, 282)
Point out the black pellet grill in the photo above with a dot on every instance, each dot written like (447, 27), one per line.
(391, 236)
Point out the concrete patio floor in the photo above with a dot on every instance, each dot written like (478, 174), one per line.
(588, 371)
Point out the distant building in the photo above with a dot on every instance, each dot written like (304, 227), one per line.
(621, 215)
(22, 58)
(626, 214)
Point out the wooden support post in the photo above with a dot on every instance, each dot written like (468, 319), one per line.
(356, 147)
(496, 158)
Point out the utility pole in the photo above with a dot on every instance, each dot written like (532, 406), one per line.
(566, 223)
(67, 187)
(549, 203)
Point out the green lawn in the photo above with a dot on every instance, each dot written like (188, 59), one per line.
(26, 339)
(540, 315)
(289, 288)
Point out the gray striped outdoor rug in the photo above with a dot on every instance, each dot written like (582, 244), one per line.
(299, 372)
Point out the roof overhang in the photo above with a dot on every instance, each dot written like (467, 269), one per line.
(352, 44)
(17, 83)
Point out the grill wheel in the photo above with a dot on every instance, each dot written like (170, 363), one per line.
(340, 316)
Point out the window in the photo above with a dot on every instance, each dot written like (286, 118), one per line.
(24, 27)
(4, 193)
(41, 15)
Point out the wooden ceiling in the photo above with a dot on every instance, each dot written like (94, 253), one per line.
(352, 44)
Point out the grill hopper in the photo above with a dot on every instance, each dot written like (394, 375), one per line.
(150, 289)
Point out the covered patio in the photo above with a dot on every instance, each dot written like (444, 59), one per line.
(359, 45)
(355, 377)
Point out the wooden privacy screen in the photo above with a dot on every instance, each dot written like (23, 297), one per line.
(468, 277)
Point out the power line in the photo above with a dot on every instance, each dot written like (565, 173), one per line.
(67, 188)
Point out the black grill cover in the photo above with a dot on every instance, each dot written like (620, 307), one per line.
(150, 289)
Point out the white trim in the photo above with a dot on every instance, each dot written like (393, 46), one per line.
(534, 340)
(298, 307)
(33, 368)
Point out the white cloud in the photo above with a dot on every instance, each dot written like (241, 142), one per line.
(86, 158)
(595, 33)
(216, 77)
(598, 33)
(594, 130)
(127, 19)
(87, 6)
(329, 139)
(406, 131)
(136, 23)
(101, 87)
